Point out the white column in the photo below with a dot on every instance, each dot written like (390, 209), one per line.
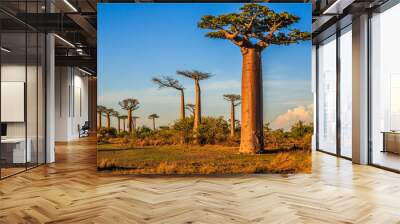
(50, 98)
(360, 90)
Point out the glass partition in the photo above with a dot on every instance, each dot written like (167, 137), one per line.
(23, 91)
(14, 154)
(327, 95)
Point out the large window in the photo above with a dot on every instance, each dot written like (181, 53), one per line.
(385, 88)
(335, 94)
(346, 92)
(327, 95)
(22, 93)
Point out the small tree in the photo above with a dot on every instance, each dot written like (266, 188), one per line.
(129, 105)
(234, 101)
(253, 29)
(185, 129)
(153, 117)
(168, 82)
(197, 76)
(300, 129)
(100, 111)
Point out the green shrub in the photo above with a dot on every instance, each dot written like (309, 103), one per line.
(107, 132)
(123, 133)
(142, 132)
(213, 130)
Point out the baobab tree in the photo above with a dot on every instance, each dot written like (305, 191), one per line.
(197, 76)
(100, 111)
(108, 112)
(123, 118)
(168, 82)
(129, 105)
(191, 108)
(234, 100)
(153, 117)
(253, 29)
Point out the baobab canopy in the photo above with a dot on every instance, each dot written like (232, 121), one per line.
(194, 74)
(256, 26)
(167, 82)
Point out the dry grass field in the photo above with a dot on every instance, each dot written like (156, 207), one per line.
(209, 159)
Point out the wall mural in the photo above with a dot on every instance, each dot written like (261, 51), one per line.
(200, 88)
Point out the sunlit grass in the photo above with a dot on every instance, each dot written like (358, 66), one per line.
(197, 160)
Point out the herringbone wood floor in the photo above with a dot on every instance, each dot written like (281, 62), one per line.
(71, 191)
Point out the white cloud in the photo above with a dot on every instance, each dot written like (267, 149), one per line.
(287, 119)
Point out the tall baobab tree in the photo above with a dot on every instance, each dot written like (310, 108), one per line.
(100, 112)
(153, 117)
(168, 82)
(253, 29)
(190, 107)
(197, 76)
(234, 100)
(129, 105)
(123, 118)
(108, 112)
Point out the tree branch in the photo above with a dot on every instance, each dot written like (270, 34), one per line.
(265, 40)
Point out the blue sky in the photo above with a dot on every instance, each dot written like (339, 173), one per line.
(139, 41)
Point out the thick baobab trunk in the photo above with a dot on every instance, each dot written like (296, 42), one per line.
(197, 113)
(154, 124)
(130, 121)
(123, 123)
(232, 119)
(98, 120)
(108, 120)
(251, 140)
(182, 105)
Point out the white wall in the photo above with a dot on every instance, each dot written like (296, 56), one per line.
(12, 73)
(16, 73)
(71, 103)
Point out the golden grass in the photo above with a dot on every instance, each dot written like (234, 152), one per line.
(197, 160)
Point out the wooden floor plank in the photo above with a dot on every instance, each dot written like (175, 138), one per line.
(72, 191)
